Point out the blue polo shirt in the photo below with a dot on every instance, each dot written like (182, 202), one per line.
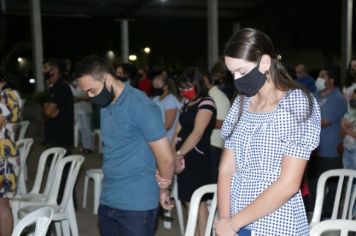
(127, 127)
(332, 107)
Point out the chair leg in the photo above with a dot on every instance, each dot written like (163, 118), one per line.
(180, 216)
(25, 172)
(15, 210)
(178, 206)
(72, 219)
(22, 184)
(85, 191)
(97, 189)
(57, 225)
(65, 227)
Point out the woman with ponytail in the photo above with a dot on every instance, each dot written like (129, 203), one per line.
(269, 133)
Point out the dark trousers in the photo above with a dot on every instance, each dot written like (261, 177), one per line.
(317, 166)
(126, 223)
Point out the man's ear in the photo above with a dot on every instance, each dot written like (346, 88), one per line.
(265, 63)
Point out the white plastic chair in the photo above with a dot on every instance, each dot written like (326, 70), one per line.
(49, 158)
(343, 226)
(97, 133)
(343, 206)
(64, 212)
(41, 217)
(24, 147)
(178, 205)
(22, 127)
(194, 209)
(97, 176)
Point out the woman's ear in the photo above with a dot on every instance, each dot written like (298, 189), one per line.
(265, 63)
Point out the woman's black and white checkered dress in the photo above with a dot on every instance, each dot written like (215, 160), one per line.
(260, 141)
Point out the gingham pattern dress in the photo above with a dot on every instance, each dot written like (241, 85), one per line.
(259, 142)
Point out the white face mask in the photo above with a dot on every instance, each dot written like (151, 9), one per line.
(320, 84)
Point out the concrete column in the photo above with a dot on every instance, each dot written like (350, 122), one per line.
(346, 36)
(125, 40)
(213, 32)
(37, 47)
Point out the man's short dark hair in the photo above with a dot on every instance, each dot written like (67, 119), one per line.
(54, 62)
(95, 66)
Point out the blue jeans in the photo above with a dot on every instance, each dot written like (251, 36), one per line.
(115, 222)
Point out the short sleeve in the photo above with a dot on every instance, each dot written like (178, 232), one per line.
(148, 119)
(303, 132)
(171, 103)
(229, 123)
(60, 95)
(207, 104)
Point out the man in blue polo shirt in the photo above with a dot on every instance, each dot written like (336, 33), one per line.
(332, 107)
(135, 145)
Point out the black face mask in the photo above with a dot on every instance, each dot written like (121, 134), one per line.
(122, 78)
(104, 98)
(250, 83)
(353, 103)
(157, 91)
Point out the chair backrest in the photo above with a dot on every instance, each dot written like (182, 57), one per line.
(24, 147)
(343, 226)
(42, 217)
(22, 129)
(74, 163)
(342, 207)
(50, 157)
(194, 209)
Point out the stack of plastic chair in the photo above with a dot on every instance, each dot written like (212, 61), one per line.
(342, 207)
(21, 128)
(194, 209)
(342, 227)
(64, 212)
(47, 163)
(41, 218)
(24, 147)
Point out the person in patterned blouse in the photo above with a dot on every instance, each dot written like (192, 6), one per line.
(10, 105)
(269, 133)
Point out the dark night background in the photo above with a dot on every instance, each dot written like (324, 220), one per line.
(300, 30)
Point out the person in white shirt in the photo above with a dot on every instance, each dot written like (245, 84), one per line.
(83, 112)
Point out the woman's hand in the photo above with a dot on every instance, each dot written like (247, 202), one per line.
(223, 227)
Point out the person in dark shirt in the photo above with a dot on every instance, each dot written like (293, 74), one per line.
(59, 113)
